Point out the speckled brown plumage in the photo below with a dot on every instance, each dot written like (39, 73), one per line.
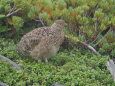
(43, 42)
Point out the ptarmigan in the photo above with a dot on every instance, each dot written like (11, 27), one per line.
(43, 42)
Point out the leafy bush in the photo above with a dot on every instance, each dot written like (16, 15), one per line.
(14, 13)
(8, 48)
(92, 22)
(71, 68)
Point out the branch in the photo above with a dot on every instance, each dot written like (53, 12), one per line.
(86, 45)
(13, 11)
(40, 21)
(96, 38)
(3, 84)
(89, 47)
(11, 62)
(102, 37)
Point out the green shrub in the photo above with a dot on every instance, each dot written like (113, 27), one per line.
(88, 20)
(71, 68)
(8, 48)
(13, 13)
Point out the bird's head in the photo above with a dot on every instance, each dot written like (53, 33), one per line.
(60, 23)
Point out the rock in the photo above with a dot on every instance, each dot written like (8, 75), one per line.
(111, 67)
(57, 84)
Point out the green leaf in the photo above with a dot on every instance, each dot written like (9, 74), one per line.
(33, 11)
(113, 52)
(2, 16)
(43, 16)
(113, 20)
(17, 21)
(4, 29)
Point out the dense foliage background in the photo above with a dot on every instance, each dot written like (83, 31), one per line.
(90, 21)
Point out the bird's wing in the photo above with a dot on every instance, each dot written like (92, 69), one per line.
(31, 39)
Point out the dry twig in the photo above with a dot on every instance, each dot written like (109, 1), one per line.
(13, 11)
(86, 45)
(40, 20)
(89, 47)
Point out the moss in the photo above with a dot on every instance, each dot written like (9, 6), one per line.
(72, 68)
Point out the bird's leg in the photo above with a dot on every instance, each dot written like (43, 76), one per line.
(46, 60)
(39, 60)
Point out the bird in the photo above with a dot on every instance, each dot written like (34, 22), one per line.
(43, 42)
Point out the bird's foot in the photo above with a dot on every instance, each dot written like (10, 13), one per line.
(46, 60)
